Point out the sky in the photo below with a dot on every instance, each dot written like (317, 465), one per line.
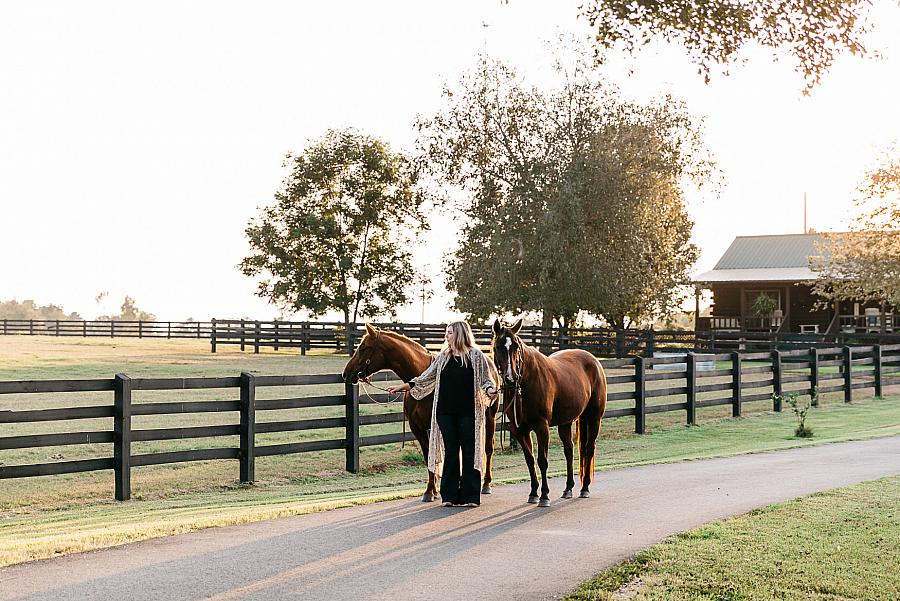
(138, 140)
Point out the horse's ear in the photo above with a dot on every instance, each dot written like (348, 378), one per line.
(516, 326)
(497, 327)
(370, 329)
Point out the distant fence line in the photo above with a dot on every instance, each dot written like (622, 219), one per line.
(107, 329)
(344, 337)
(751, 377)
(603, 342)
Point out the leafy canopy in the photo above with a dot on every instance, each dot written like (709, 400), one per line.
(339, 233)
(571, 196)
(864, 263)
(714, 32)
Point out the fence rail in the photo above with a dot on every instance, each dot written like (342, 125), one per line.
(603, 342)
(108, 329)
(751, 377)
(344, 337)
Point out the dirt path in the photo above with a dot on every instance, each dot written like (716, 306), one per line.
(405, 549)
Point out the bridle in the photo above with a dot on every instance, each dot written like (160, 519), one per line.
(365, 380)
(512, 389)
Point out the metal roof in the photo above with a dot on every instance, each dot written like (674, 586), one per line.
(755, 252)
(782, 258)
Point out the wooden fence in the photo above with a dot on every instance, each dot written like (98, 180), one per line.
(696, 380)
(108, 329)
(343, 337)
(603, 342)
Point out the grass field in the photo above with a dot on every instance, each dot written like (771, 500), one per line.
(43, 516)
(841, 544)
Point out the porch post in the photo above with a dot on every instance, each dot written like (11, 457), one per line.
(697, 309)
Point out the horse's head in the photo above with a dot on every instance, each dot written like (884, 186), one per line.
(508, 351)
(368, 359)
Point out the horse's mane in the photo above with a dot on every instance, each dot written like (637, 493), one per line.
(406, 340)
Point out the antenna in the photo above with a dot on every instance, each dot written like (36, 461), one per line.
(804, 213)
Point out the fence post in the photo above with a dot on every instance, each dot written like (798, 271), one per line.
(4, 327)
(777, 388)
(651, 343)
(243, 334)
(351, 404)
(122, 436)
(814, 376)
(256, 338)
(248, 427)
(275, 323)
(84, 327)
(31, 327)
(640, 396)
(876, 364)
(848, 375)
(112, 329)
(620, 344)
(212, 335)
(57, 327)
(198, 329)
(304, 337)
(736, 384)
(692, 389)
(351, 332)
(140, 328)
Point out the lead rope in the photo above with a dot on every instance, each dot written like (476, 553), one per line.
(390, 402)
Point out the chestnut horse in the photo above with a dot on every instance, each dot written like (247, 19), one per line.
(568, 386)
(383, 349)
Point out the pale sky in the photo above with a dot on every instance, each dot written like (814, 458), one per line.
(136, 141)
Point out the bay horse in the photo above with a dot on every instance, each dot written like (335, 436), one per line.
(567, 387)
(382, 349)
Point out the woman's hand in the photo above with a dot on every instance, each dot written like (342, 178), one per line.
(399, 388)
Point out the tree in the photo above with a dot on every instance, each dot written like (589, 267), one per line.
(129, 311)
(338, 235)
(28, 309)
(715, 31)
(864, 263)
(571, 195)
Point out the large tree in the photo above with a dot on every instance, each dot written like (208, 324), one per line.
(714, 32)
(338, 235)
(571, 195)
(864, 263)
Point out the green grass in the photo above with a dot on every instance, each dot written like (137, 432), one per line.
(40, 517)
(840, 544)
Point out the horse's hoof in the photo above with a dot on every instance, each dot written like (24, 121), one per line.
(486, 489)
(427, 498)
(544, 503)
(585, 494)
(532, 499)
(567, 494)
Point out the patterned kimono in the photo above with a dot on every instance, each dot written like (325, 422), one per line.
(430, 381)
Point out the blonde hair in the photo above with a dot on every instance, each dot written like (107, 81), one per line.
(463, 341)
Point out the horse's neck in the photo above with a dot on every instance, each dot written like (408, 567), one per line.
(406, 359)
(535, 366)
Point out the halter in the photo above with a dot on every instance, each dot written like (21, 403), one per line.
(365, 380)
(516, 386)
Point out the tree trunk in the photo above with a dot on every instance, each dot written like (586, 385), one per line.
(546, 346)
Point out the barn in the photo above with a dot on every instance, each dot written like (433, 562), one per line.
(776, 268)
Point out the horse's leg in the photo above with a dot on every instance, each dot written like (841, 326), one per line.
(543, 439)
(489, 429)
(524, 438)
(421, 435)
(590, 428)
(565, 435)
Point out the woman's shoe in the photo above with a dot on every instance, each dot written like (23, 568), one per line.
(447, 504)
(472, 504)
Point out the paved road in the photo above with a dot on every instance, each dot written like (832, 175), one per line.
(406, 549)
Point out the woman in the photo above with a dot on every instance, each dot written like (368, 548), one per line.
(464, 383)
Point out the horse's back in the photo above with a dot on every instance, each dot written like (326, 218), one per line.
(580, 381)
